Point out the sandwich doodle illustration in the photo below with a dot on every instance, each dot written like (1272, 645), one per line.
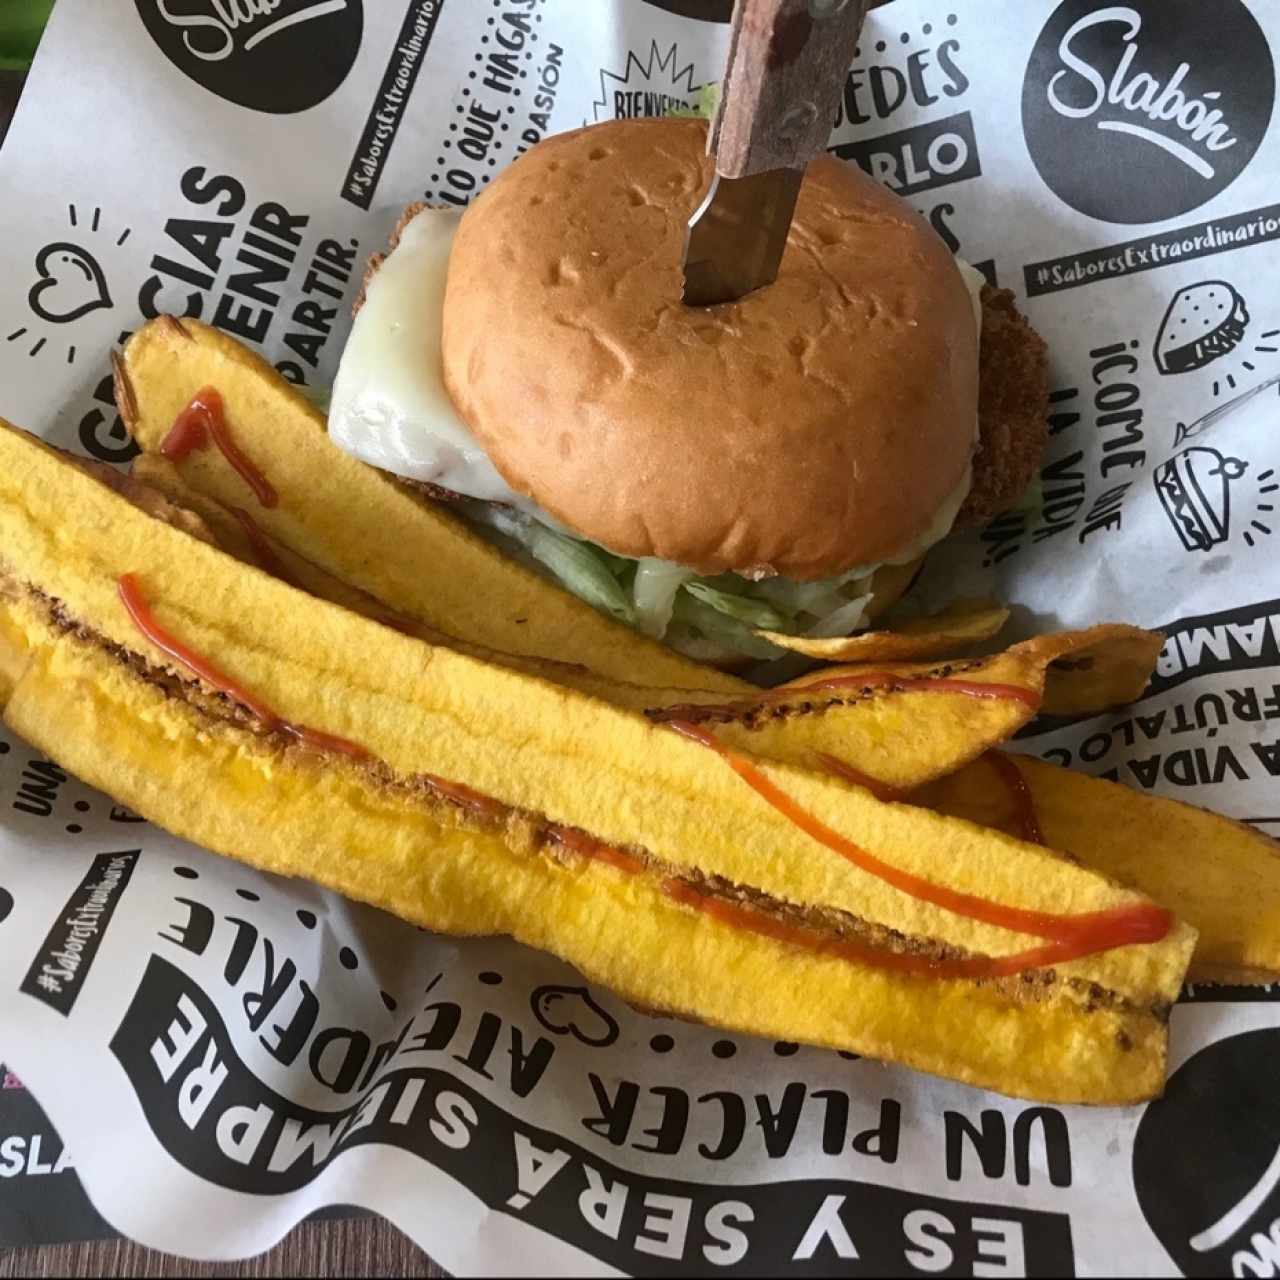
(1195, 489)
(1203, 323)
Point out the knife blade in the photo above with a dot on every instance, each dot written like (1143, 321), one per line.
(735, 239)
(786, 66)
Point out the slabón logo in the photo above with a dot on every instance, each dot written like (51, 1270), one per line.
(1135, 113)
(705, 10)
(1206, 1160)
(279, 56)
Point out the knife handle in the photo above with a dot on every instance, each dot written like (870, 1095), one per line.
(786, 67)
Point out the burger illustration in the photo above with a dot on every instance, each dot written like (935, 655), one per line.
(1195, 489)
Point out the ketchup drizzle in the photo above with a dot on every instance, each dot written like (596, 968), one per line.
(843, 769)
(737, 916)
(1080, 934)
(1026, 821)
(476, 801)
(205, 417)
(139, 610)
(740, 917)
(263, 551)
(589, 847)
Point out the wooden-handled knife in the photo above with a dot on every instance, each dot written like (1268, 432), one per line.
(787, 63)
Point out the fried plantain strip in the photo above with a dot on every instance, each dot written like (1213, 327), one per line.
(1112, 673)
(298, 814)
(531, 745)
(1221, 876)
(960, 624)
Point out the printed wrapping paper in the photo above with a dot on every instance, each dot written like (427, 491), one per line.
(225, 1052)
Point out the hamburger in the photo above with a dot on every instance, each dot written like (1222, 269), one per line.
(781, 462)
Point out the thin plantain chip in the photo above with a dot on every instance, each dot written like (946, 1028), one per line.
(960, 624)
(1111, 673)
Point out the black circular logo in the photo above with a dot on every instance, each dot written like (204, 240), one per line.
(707, 10)
(1139, 112)
(270, 55)
(1206, 1159)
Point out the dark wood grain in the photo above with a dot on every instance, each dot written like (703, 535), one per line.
(782, 85)
(10, 86)
(359, 1247)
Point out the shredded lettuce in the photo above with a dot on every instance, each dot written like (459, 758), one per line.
(707, 103)
(712, 635)
(653, 594)
(755, 613)
(817, 599)
(844, 621)
(580, 567)
(708, 617)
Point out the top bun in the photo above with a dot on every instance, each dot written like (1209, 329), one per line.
(812, 426)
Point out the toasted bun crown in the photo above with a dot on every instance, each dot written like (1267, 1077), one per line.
(809, 427)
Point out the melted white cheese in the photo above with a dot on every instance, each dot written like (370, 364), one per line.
(973, 281)
(390, 407)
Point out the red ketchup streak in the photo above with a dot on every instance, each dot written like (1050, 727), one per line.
(1028, 824)
(1076, 936)
(140, 611)
(740, 917)
(843, 769)
(202, 418)
(263, 551)
(322, 741)
(476, 801)
(737, 916)
(589, 847)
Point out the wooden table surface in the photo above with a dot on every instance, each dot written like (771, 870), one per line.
(364, 1247)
